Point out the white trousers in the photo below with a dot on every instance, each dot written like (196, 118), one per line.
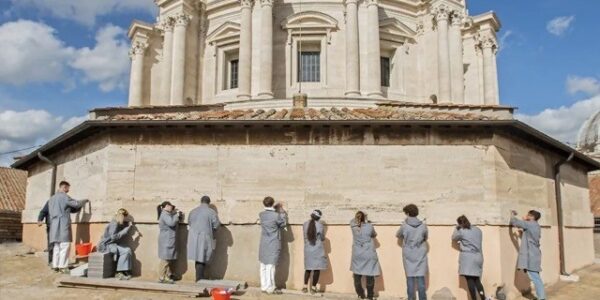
(267, 278)
(60, 255)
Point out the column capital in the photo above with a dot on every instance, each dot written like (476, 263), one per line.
(246, 3)
(441, 12)
(372, 2)
(264, 3)
(457, 17)
(350, 2)
(487, 40)
(181, 19)
(137, 48)
(166, 24)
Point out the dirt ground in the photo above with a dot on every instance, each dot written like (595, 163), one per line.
(23, 275)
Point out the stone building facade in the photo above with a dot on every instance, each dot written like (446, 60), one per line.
(447, 159)
(259, 53)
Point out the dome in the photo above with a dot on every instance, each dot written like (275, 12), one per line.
(588, 140)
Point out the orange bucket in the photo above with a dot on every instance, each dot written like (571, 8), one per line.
(83, 249)
(220, 294)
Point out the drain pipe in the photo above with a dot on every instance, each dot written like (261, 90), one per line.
(53, 164)
(558, 195)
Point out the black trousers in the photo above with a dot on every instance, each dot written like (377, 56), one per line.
(50, 246)
(200, 270)
(359, 288)
(475, 287)
(315, 279)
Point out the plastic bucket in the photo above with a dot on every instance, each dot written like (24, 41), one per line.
(220, 294)
(83, 249)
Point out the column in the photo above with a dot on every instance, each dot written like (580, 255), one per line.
(441, 16)
(488, 46)
(266, 54)
(352, 54)
(456, 59)
(374, 50)
(137, 73)
(167, 62)
(178, 70)
(245, 54)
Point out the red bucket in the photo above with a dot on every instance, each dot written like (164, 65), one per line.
(83, 249)
(220, 294)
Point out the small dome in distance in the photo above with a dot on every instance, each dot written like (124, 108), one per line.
(589, 135)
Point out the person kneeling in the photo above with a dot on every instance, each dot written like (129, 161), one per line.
(109, 243)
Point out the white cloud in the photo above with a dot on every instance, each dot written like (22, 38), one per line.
(559, 25)
(587, 85)
(108, 62)
(31, 52)
(563, 123)
(24, 129)
(504, 39)
(85, 11)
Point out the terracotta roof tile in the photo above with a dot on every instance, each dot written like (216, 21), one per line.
(12, 189)
(334, 113)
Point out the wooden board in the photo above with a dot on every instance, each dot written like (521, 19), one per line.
(112, 283)
(226, 284)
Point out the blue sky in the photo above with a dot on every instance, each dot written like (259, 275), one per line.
(60, 58)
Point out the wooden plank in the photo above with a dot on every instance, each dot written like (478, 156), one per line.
(210, 284)
(112, 283)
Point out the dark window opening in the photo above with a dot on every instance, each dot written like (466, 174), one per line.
(309, 66)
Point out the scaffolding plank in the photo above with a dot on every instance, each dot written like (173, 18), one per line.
(112, 283)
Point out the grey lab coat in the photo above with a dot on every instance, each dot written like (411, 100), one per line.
(202, 223)
(470, 260)
(167, 225)
(530, 255)
(109, 243)
(364, 257)
(60, 207)
(414, 249)
(314, 255)
(271, 223)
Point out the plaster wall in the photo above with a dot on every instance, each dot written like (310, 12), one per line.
(379, 170)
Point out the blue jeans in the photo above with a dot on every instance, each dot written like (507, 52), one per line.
(538, 283)
(410, 287)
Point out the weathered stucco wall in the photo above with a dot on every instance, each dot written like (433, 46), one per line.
(447, 172)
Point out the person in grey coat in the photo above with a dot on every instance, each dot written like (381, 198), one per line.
(470, 260)
(60, 207)
(272, 220)
(168, 222)
(315, 259)
(109, 243)
(530, 255)
(414, 234)
(203, 222)
(364, 257)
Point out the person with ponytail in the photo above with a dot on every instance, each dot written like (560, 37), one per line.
(315, 259)
(364, 257)
(168, 221)
(470, 260)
